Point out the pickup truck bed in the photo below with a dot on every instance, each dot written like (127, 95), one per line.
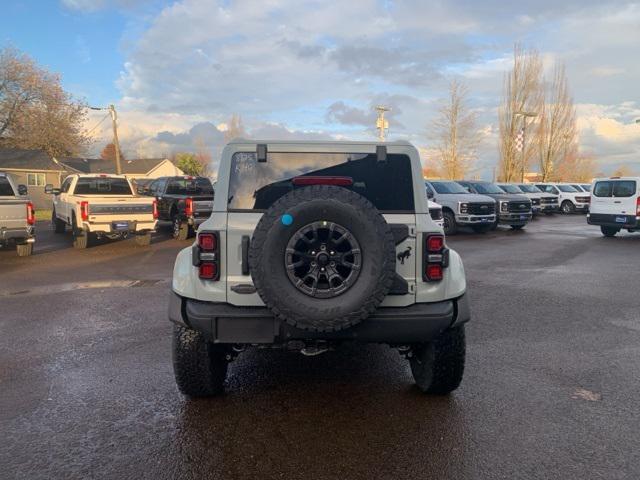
(16, 218)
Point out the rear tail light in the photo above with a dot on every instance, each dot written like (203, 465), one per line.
(84, 210)
(638, 206)
(188, 207)
(155, 209)
(435, 258)
(31, 214)
(205, 255)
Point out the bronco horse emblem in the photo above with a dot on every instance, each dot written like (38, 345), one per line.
(402, 256)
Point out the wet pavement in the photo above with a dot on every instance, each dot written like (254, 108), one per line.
(551, 387)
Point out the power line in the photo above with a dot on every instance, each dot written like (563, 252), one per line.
(98, 124)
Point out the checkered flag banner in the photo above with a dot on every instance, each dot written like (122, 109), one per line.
(520, 140)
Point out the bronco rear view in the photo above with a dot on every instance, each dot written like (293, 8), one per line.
(313, 244)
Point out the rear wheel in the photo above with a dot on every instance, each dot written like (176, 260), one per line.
(24, 249)
(58, 225)
(144, 239)
(568, 207)
(449, 221)
(180, 229)
(80, 237)
(438, 366)
(609, 231)
(199, 366)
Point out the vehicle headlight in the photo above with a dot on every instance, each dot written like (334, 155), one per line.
(464, 208)
(504, 206)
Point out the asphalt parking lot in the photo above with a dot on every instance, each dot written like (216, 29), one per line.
(551, 387)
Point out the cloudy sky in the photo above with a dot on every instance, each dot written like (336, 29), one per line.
(315, 69)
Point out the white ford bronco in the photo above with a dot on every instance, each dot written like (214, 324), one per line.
(102, 206)
(314, 244)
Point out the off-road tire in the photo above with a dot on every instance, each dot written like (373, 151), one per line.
(438, 366)
(59, 226)
(481, 228)
(143, 240)
(517, 227)
(609, 231)
(24, 249)
(199, 366)
(449, 223)
(313, 204)
(179, 228)
(568, 207)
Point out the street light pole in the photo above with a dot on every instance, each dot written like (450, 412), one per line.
(524, 116)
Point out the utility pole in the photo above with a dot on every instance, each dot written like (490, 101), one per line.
(116, 143)
(381, 123)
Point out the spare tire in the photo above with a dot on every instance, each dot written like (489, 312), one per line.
(322, 258)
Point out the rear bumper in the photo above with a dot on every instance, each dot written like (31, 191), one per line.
(25, 233)
(224, 323)
(609, 220)
(134, 226)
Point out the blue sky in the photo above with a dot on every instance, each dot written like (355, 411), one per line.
(314, 69)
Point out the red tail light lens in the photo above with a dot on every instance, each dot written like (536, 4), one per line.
(208, 271)
(435, 257)
(31, 214)
(638, 206)
(205, 254)
(434, 272)
(155, 210)
(311, 180)
(435, 243)
(84, 210)
(188, 207)
(207, 241)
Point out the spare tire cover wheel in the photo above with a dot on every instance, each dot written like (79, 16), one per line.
(322, 258)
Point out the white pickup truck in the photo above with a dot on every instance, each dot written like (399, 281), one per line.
(17, 217)
(102, 206)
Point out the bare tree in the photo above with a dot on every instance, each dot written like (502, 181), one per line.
(557, 131)
(235, 128)
(575, 167)
(109, 153)
(623, 171)
(35, 111)
(456, 134)
(522, 93)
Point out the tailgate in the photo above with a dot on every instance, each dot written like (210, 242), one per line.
(134, 208)
(242, 225)
(13, 214)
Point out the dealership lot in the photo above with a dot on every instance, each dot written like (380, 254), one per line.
(87, 388)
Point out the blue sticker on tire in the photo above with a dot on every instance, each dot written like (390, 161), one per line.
(286, 219)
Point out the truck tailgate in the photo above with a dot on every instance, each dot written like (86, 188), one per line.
(13, 213)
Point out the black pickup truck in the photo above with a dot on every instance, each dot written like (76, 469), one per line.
(184, 201)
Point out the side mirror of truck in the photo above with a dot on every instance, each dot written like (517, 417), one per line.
(22, 190)
(48, 188)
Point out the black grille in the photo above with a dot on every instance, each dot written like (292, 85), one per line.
(517, 207)
(482, 208)
(123, 209)
(535, 201)
(549, 200)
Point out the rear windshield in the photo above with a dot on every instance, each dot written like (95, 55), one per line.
(186, 186)
(5, 188)
(615, 188)
(510, 188)
(102, 186)
(448, 187)
(529, 188)
(256, 186)
(566, 188)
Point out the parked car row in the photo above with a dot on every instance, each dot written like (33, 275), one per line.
(484, 205)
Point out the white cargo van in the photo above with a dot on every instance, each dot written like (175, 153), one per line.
(615, 204)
